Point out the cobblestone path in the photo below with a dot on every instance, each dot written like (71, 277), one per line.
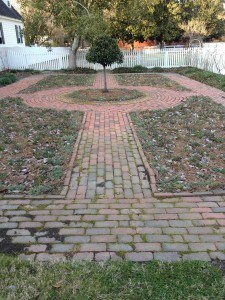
(109, 211)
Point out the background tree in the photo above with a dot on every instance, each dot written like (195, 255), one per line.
(204, 19)
(69, 15)
(105, 51)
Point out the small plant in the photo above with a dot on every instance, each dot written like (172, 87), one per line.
(7, 79)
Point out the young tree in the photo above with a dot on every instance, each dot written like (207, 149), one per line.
(105, 51)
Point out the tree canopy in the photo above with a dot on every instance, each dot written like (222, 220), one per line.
(127, 20)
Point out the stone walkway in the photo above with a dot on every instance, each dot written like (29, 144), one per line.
(109, 211)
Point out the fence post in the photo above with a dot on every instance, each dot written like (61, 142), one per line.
(166, 59)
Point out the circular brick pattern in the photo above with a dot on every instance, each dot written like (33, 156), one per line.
(157, 98)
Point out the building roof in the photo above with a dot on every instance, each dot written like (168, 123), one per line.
(9, 12)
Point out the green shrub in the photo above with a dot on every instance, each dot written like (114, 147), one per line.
(7, 78)
(157, 70)
(80, 71)
(135, 69)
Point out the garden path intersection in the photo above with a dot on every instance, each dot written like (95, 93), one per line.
(109, 211)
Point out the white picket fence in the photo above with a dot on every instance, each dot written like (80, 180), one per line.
(40, 58)
(146, 57)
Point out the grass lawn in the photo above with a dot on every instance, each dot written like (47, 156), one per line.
(185, 144)
(207, 77)
(56, 81)
(96, 95)
(113, 280)
(149, 80)
(35, 147)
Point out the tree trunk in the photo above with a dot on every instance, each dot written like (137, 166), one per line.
(105, 90)
(75, 46)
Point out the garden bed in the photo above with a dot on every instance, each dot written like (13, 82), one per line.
(185, 145)
(97, 95)
(154, 80)
(35, 147)
(10, 76)
(56, 81)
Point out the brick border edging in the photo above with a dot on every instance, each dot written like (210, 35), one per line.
(153, 177)
(67, 179)
(150, 172)
(74, 154)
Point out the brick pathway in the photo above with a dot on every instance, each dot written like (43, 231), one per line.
(108, 162)
(109, 212)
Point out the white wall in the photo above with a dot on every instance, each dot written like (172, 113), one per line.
(10, 32)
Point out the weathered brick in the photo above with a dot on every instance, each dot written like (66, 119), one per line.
(36, 248)
(203, 256)
(158, 238)
(95, 247)
(106, 224)
(86, 256)
(200, 230)
(167, 256)
(18, 232)
(45, 257)
(63, 248)
(54, 225)
(71, 231)
(139, 256)
(23, 239)
(94, 218)
(157, 223)
(103, 239)
(62, 212)
(30, 225)
(44, 218)
(148, 247)
(96, 231)
(77, 239)
(175, 247)
(145, 230)
(202, 247)
(178, 223)
(119, 247)
(123, 231)
(102, 256)
(8, 225)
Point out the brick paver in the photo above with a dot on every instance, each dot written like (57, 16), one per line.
(109, 211)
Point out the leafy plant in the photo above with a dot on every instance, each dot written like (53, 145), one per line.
(105, 51)
(7, 79)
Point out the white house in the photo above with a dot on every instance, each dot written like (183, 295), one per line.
(10, 26)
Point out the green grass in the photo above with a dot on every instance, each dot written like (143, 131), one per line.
(113, 280)
(35, 146)
(154, 80)
(185, 144)
(207, 77)
(56, 81)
